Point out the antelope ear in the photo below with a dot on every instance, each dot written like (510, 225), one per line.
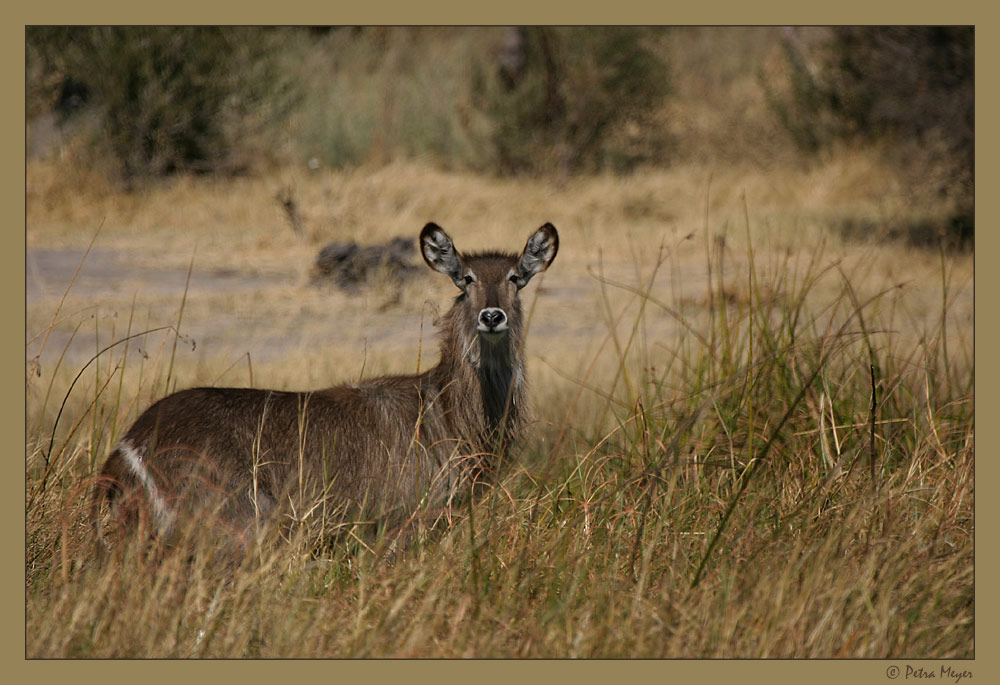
(440, 254)
(539, 252)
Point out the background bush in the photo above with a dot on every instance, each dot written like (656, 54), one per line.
(898, 81)
(374, 94)
(526, 100)
(908, 88)
(557, 96)
(170, 99)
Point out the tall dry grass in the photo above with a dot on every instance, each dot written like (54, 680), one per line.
(708, 476)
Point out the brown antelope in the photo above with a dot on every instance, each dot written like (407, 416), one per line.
(377, 450)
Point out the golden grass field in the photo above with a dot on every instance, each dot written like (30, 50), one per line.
(698, 484)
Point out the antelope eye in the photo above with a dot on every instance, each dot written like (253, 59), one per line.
(469, 278)
(512, 278)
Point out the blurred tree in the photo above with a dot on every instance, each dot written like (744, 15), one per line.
(554, 94)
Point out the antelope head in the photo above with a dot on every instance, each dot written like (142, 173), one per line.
(488, 309)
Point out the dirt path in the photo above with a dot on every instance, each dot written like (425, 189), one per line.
(49, 271)
(230, 313)
(109, 277)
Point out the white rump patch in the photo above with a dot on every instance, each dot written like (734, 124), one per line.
(164, 517)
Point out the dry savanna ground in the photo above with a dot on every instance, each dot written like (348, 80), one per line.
(701, 479)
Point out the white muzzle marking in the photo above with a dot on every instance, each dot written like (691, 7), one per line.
(492, 321)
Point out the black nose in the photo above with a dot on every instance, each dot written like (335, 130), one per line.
(492, 317)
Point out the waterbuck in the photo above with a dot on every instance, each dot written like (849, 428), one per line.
(375, 451)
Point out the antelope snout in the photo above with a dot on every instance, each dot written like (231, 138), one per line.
(492, 320)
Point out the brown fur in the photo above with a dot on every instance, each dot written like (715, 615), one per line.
(378, 450)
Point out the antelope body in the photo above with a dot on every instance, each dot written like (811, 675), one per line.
(376, 450)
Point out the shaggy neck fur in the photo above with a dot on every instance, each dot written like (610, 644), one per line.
(484, 382)
(496, 376)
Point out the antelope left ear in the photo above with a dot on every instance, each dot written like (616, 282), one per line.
(538, 254)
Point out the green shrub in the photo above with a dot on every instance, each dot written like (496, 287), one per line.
(170, 99)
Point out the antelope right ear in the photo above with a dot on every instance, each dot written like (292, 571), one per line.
(440, 254)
